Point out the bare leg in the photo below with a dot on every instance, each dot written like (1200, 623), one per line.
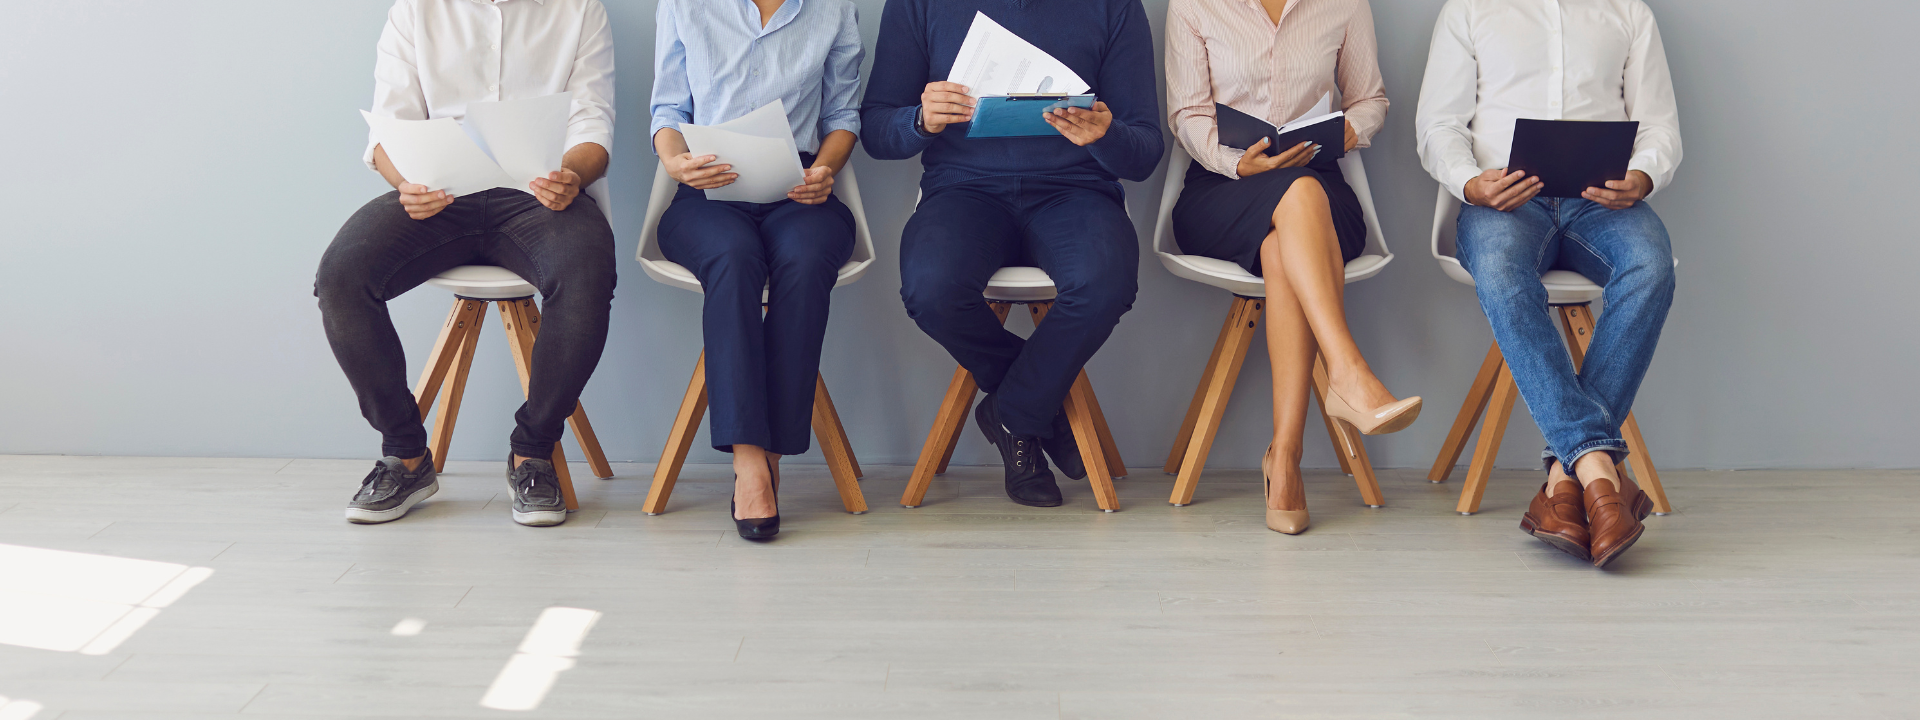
(1291, 347)
(1309, 255)
(1557, 475)
(753, 482)
(1597, 465)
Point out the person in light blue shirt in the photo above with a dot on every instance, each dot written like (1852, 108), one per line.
(715, 61)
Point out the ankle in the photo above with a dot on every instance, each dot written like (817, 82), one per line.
(1595, 466)
(413, 463)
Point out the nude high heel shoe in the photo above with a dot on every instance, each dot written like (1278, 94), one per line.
(1287, 522)
(1385, 419)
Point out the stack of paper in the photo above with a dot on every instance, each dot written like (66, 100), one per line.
(759, 145)
(503, 144)
(994, 61)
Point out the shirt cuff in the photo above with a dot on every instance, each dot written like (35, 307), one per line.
(1229, 158)
(1457, 179)
(1648, 163)
(913, 124)
(368, 156)
(600, 137)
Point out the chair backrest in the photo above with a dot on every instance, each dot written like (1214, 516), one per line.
(1446, 222)
(1350, 166)
(846, 185)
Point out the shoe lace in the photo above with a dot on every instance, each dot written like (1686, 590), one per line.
(1026, 454)
(379, 483)
(535, 483)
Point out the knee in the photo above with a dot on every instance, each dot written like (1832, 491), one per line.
(1306, 194)
(1102, 300)
(933, 297)
(342, 277)
(591, 279)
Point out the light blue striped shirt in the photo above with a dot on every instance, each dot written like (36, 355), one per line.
(713, 62)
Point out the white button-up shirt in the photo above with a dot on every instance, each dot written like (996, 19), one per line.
(1495, 61)
(438, 55)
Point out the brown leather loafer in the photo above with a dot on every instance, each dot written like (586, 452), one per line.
(1611, 522)
(1559, 520)
(1639, 502)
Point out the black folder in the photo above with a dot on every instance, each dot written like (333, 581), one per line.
(1240, 130)
(1572, 155)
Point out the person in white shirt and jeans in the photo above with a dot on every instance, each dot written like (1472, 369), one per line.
(435, 57)
(1495, 61)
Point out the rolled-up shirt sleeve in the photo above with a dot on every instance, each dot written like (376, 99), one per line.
(672, 102)
(1648, 91)
(1448, 98)
(1190, 96)
(592, 83)
(396, 75)
(840, 91)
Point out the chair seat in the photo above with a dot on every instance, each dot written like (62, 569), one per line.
(1564, 287)
(672, 273)
(1231, 277)
(1020, 284)
(483, 282)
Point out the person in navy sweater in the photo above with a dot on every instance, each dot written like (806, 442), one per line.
(1052, 202)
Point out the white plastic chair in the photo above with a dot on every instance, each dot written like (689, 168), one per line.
(693, 406)
(1030, 286)
(1571, 296)
(473, 287)
(1195, 439)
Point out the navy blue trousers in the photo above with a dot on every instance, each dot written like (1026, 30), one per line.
(1075, 230)
(760, 369)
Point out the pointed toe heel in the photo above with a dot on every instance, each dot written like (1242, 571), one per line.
(1390, 418)
(1287, 522)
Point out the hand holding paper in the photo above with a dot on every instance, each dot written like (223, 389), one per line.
(994, 61)
(505, 144)
(758, 147)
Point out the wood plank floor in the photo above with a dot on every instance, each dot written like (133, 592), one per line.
(1768, 594)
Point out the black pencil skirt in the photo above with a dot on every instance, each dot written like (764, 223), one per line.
(1227, 219)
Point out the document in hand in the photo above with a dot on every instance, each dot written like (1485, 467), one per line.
(503, 144)
(1323, 128)
(1570, 156)
(759, 145)
(994, 61)
(1016, 83)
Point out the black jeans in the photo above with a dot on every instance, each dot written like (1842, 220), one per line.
(381, 253)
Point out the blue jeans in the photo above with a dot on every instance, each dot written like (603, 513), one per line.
(1626, 252)
(1075, 230)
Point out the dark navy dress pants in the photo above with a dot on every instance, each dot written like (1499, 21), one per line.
(760, 369)
(1075, 230)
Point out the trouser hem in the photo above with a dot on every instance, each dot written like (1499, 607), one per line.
(532, 452)
(1615, 449)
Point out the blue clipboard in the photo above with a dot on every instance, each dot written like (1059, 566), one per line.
(1005, 116)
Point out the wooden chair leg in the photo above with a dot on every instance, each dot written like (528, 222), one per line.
(686, 424)
(452, 333)
(944, 436)
(582, 428)
(839, 452)
(1470, 410)
(1180, 440)
(449, 405)
(1499, 410)
(1000, 310)
(1224, 371)
(1079, 409)
(1108, 449)
(1576, 323)
(519, 325)
(1347, 442)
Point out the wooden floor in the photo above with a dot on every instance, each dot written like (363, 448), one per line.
(1768, 594)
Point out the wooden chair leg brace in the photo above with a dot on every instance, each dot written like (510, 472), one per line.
(1090, 431)
(1194, 442)
(1493, 393)
(826, 428)
(452, 358)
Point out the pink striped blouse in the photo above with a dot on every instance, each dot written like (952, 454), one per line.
(1231, 52)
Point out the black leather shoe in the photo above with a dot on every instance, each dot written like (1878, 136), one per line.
(1029, 482)
(1064, 450)
(756, 528)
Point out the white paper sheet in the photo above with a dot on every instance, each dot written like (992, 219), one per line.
(1319, 114)
(994, 61)
(527, 138)
(501, 144)
(759, 145)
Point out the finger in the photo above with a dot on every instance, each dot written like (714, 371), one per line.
(1259, 145)
(1506, 197)
(947, 87)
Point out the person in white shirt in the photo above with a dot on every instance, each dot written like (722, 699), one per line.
(1495, 61)
(436, 57)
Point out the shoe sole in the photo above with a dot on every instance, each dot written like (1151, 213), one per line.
(1030, 503)
(1603, 561)
(540, 518)
(1642, 506)
(1399, 422)
(1561, 543)
(375, 517)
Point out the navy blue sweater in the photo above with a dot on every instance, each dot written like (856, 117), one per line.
(1106, 42)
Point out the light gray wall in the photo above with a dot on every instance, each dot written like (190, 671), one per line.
(173, 171)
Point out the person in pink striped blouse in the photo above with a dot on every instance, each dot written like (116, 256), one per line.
(1288, 217)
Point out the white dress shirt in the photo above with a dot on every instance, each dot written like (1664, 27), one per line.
(1494, 61)
(438, 55)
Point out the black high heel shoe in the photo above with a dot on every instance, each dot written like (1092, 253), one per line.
(757, 528)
